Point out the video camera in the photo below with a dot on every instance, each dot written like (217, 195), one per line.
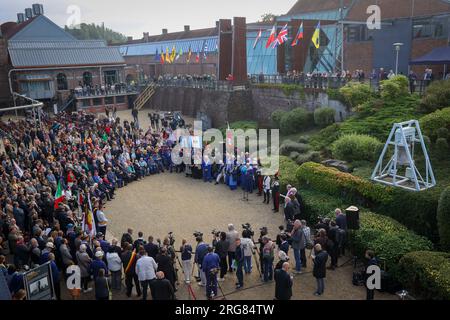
(171, 238)
(215, 233)
(248, 229)
(198, 234)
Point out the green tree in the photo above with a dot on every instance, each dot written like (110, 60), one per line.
(267, 17)
(443, 219)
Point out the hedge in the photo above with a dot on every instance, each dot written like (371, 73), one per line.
(288, 146)
(431, 123)
(426, 274)
(437, 96)
(416, 210)
(337, 183)
(324, 116)
(443, 219)
(355, 147)
(287, 172)
(295, 121)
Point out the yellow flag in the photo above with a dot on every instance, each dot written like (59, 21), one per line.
(167, 55)
(173, 54)
(316, 36)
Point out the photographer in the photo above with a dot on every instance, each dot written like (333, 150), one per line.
(222, 250)
(186, 256)
(248, 247)
(232, 235)
(263, 233)
(200, 252)
(210, 267)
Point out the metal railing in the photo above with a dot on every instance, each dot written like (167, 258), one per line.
(208, 84)
(104, 91)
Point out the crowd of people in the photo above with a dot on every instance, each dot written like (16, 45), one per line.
(55, 173)
(88, 90)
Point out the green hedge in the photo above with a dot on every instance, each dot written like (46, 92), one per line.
(324, 116)
(276, 117)
(437, 96)
(416, 210)
(443, 219)
(288, 146)
(325, 137)
(355, 147)
(395, 87)
(355, 93)
(431, 123)
(426, 274)
(296, 120)
(287, 172)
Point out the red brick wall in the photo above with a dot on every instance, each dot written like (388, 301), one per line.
(358, 56)
(4, 84)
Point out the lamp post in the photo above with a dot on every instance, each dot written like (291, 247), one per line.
(397, 47)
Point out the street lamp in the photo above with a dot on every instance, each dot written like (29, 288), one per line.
(397, 47)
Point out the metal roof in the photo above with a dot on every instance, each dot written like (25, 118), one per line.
(62, 53)
(149, 48)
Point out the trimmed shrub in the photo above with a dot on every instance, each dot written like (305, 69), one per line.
(295, 121)
(354, 147)
(442, 133)
(427, 142)
(340, 184)
(325, 137)
(276, 117)
(355, 93)
(441, 148)
(303, 139)
(395, 87)
(388, 238)
(426, 274)
(287, 172)
(437, 96)
(288, 146)
(319, 204)
(431, 123)
(443, 219)
(293, 155)
(324, 116)
(312, 156)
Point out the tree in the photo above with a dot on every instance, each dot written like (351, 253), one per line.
(443, 219)
(267, 17)
(96, 32)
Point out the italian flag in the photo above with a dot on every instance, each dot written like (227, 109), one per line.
(59, 196)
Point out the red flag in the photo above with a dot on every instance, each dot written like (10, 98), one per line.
(257, 38)
(197, 57)
(298, 36)
(272, 36)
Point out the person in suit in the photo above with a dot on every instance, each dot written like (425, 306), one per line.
(166, 266)
(151, 248)
(129, 267)
(320, 268)
(161, 288)
(283, 283)
(127, 237)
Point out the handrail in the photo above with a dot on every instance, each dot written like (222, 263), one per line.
(145, 95)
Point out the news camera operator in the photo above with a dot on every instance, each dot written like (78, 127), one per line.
(221, 249)
(200, 251)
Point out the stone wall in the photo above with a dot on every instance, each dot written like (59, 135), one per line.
(255, 104)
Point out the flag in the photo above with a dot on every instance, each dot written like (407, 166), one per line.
(19, 171)
(59, 196)
(173, 54)
(316, 36)
(167, 58)
(272, 36)
(257, 38)
(157, 57)
(162, 56)
(298, 36)
(188, 59)
(88, 223)
(131, 261)
(180, 53)
(197, 57)
(282, 36)
(205, 48)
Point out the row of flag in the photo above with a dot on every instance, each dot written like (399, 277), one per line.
(277, 40)
(171, 57)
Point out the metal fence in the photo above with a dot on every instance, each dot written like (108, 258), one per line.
(208, 84)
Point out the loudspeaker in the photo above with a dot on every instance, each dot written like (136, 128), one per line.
(352, 214)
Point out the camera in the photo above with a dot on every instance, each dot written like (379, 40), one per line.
(248, 229)
(215, 233)
(171, 238)
(198, 234)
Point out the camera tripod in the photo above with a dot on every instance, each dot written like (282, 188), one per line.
(213, 276)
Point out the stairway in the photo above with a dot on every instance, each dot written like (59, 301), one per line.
(144, 96)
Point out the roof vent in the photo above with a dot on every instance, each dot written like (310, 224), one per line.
(146, 36)
(187, 28)
(28, 13)
(164, 31)
(38, 9)
(20, 17)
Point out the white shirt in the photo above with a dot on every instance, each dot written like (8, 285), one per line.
(266, 183)
(114, 262)
(101, 218)
(248, 245)
(146, 268)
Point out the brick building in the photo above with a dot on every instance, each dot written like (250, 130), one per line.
(42, 61)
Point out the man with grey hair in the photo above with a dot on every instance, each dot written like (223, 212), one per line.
(283, 283)
(84, 262)
(232, 235)
(320, 270)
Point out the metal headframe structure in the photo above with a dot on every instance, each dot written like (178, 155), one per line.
(403, 137)
(34, 105)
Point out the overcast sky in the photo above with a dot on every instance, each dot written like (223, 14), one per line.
(132, 17)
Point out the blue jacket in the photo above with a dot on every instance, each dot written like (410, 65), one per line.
(96, 265)
(55, 271)
(200, 252)
(239, 254)
(210, 261)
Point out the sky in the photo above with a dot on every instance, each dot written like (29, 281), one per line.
(133, 17)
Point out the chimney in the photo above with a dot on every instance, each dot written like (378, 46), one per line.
(146, 36)
(187, 28)
(28, 13)
(164, 31)
(38, 9)
(217, 24)
(20, 17)
(129, 39)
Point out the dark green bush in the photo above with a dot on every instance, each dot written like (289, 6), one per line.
(427, 142)
(442, 133)
(441, 148)
(312, 156)
(276, 117)
(303, 139)
(293, 155)
(395, 87)
(287, 172)
(354, 147)
(355, 93)
(426, 274)
(437, 96)
(288, 146)
(431, 123)
(443, 219)
(324, 116)
(334, 94)
(325, 137)
(295, 121)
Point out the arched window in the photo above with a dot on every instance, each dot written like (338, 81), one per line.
(87, 78)
(61, 81)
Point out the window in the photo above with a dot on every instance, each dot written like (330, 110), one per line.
(120, 99)
(430, 28)
(97, 101)
(359, 33)
(85, 102)
(87, 78)
(61, 81)
(109, 100)
(110, 77)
